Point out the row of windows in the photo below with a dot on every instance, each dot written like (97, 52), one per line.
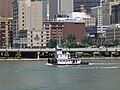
(37, 0)
(42, 33)
(41, 40)
(37, 43)
(56, 37)
(69, 60)
(41, 37)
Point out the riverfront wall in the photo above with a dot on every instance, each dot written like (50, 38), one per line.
(49, 53)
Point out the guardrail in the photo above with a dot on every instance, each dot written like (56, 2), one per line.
(64, 49)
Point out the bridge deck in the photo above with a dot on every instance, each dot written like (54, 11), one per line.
(64, 49)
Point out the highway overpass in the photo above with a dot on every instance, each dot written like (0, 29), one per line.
(64, 49)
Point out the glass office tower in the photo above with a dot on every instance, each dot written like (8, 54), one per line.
(88, 4)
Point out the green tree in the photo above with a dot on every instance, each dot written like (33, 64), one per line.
(18, 54)
(106, 52)
(116, 42)
(88, 42)
(116, 52)
(52, 43)
(69, 41)
(6, 55)
(108, 43)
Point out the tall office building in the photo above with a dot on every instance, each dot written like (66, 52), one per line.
(107, 8)
(53, 9)
(88, 4)
(97, 13)
(115, 16)
(59, 7)
(28, 17)
(65, 6)
(6, 8)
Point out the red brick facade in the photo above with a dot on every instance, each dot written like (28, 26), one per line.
(62, 29)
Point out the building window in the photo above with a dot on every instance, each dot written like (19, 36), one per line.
(47, 31)
(47, 37)
(48, 34)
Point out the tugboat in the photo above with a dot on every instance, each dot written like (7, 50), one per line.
(61, 58)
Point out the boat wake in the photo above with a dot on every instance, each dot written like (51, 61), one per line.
(49, 64)
(104, 63)
(102, 66)
(111, 67)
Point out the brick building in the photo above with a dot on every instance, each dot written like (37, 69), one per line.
(61, 29)
(6, 32)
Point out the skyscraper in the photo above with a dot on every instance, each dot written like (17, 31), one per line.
(53, 9)
(97, 13)
(28, 17)
(60, 7)
(5, 8)
(115, 16)
(88, 4)
(107, 8)
(65, 6)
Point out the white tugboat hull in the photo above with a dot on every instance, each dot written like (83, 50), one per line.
(67, 62)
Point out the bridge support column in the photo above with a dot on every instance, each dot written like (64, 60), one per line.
(38, 53)
(111, 55)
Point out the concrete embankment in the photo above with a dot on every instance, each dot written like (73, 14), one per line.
(45, 59)
(101, 58)
(24, 59)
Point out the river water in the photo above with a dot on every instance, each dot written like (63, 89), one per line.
(35, 75)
